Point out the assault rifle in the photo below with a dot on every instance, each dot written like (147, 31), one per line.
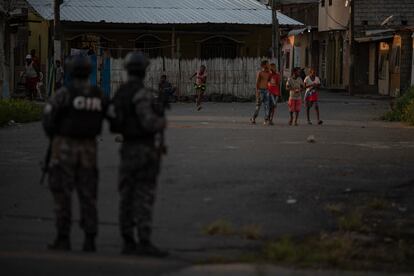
(162, 105)
(45, 163)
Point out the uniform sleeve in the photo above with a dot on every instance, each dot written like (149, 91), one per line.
(150, 121)
(54, 111)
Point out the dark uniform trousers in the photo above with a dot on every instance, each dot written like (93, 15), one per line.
(73, 167)
(137, 186)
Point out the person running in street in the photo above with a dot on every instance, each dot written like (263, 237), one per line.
(274, 91)
(262, 94)
(200, 85)
(312, 85)
(295, 86)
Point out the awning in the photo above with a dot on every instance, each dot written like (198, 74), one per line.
(378, 32)
(297, 31)
(373, 38)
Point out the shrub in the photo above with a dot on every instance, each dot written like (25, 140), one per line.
(403, 108)
(20, 111)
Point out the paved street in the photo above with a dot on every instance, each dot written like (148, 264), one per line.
(218, 167)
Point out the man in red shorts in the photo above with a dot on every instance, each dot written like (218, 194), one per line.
(312, 84)
(295, 86)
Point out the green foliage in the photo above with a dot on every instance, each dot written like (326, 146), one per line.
(20, 111)
(351, 222)
(327, 249)
(251, 232)
(403, 109)
(220, 227)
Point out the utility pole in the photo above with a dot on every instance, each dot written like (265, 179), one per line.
(351, 85)
(57, 31)
(275, 33)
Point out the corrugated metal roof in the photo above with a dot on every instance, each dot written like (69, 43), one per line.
(162, 11)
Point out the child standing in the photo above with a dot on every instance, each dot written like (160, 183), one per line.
(200, 85)
(295, 85)
(274, 91)
(312, 84)
(262, 94)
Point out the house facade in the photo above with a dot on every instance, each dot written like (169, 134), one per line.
(333, 25)
(185, 29)
(383, 31)
(14, 37)
(177, 29)
(300, 47)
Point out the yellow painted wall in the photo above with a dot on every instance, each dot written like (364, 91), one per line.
(39, 37)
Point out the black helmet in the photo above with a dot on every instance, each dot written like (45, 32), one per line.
(79, 67)
(136, 63)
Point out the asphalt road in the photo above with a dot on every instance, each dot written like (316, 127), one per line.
(218, 167)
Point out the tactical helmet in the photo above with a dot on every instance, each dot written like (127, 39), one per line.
(79, 67)
(136, 63)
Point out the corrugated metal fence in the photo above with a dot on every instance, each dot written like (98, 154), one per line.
(225, 76)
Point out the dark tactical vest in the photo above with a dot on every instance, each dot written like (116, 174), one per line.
(125, 120)
(83, 115)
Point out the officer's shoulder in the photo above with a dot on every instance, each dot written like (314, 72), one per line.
(62, 93)
(144, 94)
(97, 90)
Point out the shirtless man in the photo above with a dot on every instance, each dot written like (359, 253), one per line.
(262, 94)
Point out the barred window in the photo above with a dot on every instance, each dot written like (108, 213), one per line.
(219, 47)
(150, 45)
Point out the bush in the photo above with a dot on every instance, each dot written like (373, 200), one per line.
(403, 108)
(20, 111)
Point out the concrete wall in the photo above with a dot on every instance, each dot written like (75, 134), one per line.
(306, 13)
(374, 12)
(406, 59)
(333, 17)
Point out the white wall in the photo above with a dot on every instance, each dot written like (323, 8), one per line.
(224, 76)
(334, 17)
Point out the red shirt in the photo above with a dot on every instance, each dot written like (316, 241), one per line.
(274, 84)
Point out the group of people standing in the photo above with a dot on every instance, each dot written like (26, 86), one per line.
(268, 93)
(33, 77)
(72, 120)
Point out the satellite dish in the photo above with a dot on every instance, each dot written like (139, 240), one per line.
(387, 20)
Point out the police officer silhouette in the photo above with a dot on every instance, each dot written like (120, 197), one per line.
(135, 114)
(72, 120)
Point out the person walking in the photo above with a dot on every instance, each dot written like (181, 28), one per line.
(134, 114)
(262, 94)
(72, 120)
(312, 85)
(31, 75)
(295, 86)
(274, 91)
